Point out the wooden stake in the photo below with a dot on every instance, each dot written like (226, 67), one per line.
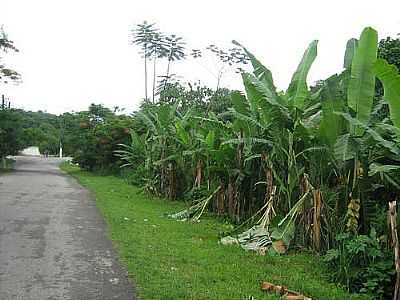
(395, 238)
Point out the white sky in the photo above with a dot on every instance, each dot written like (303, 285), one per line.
(76, 52)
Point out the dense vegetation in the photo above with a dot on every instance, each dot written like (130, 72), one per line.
(317, 167)
(93, 136)
(21, 129)
(176, 260)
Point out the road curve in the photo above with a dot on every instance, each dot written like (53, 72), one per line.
(53, 241)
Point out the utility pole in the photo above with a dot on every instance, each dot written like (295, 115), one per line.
(61, 135)
(61, 150)
(5, 102)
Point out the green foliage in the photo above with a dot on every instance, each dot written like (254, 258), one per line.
(316, 165)
(10, 132)
(362, 79)
(332, 125)
(97, 138)
(389, 50)
(177, 260)
(351, 47)
(320, 162)
(41, 129)
(390, 78)
(20, 129)
(298, 90)
(360, 263)
(10, 122)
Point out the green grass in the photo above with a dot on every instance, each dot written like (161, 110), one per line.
(168, 259)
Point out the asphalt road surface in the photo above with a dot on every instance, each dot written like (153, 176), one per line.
(53, 241)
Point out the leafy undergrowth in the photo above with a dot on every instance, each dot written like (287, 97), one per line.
(168, 259)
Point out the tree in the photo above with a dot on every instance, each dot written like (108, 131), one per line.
(157, 49)
(92, 137)
(175, 49)
(10, 133)
(10, 123)
(229, 58)
(143, 35)
(6, 45)
(389, 50)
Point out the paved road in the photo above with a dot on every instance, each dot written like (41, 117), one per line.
(53, 241)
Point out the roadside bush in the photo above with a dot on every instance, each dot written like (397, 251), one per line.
(360, 263)
(99, 134)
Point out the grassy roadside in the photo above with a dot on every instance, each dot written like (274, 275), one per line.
(178, 260)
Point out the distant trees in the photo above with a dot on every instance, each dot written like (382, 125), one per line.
(40, 129)
(10, 133)
(92, 136)
(156, 45)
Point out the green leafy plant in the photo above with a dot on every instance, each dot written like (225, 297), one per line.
(360, 263)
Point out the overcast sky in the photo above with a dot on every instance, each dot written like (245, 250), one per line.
(76, 52)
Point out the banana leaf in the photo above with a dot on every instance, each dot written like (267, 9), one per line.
(262, 73)
(390, 78)
(331, 124)
(351, 47)
(361, 89)
(298, 90)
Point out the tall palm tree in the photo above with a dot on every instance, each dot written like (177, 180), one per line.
(157, 49)
(175, 47)
(143, 35)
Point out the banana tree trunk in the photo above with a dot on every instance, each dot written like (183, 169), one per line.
(162, 171)
(172, 182)
(239, 151)
(317, 197)
(221, 199)
(199, 173)
(239, 162)
(268, 177)
(306, 218)
(231, 199)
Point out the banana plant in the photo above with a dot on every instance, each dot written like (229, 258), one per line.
(281, 117)
(305, 152)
